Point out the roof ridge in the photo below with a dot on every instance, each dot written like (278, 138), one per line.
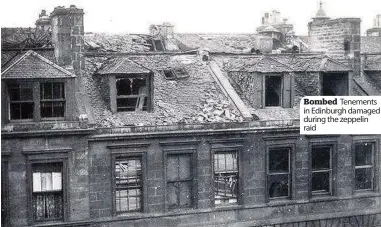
(280, 63)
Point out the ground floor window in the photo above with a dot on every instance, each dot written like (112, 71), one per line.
(47, 192)
(225, 177)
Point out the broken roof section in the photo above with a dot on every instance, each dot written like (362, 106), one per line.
(122, 65)
(25, 38)
(31, 65)
(196, 99)
(372, 62)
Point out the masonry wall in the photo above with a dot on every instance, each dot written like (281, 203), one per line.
(15, 151)
(254, 207)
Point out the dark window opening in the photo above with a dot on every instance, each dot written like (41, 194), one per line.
(273, 85)
(225, 178)
(52, 99)
(132, 94)
(347, 45)
(179, 181)
(364, 166)
(172, 74)
(47, 192)
(335, 84)
(128, 184)
(321, 168)
(159, 46)
(279, 174)
(21, 101)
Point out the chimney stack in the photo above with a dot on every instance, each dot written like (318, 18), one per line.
(68, 37)
(43, 21)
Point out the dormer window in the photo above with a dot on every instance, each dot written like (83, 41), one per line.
(21, 103)
(52, 99)
(132, 93)
(173, 74)
(273, 90)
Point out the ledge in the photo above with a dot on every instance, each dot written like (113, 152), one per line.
(44, 133)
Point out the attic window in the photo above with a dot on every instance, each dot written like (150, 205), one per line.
(273, 93)
(347, 45)
(21, 101)
(173, 74)
(132, 93)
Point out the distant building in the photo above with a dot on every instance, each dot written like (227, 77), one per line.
(170, 129)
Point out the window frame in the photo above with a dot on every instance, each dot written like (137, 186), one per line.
(65, 182)
(192, 152)
(52, 100)
(115, 157)
(332, 170)
(290, 148)
(35, 84)
(281, 76)
(20, 85)
(239, 172)
(176, 72)
(375, 165)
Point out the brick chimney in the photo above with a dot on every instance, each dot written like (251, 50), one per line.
(68, 37)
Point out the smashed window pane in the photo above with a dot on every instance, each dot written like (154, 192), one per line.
(52, 99)
(273, 85)
(132, 94)
(179, 181)
(128, 184)
(364, 166)
(279, 176)
(172, 74)
(47, 193)
(21, 101)
(225, 178)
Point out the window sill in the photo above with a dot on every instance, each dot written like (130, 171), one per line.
(364, 194)
(227, 207)
(280, 201)
(321, 198)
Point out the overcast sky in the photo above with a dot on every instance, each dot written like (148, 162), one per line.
(217, 16)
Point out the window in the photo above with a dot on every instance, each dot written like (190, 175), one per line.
(132, 93)
(172, 74)
(128, 184)
(225, 177)
(36, 100)
(335, 84)
(159, 46)
(47, 192)
(52, 99)
(364, 165)
(279, 173)
(273, 92)
(321, 169)
(21, 104)
(179, 181)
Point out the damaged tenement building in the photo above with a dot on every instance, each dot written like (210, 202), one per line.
(170, 129)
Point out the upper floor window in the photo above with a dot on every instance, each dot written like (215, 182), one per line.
(364, 165)
(47, 192)
(128, 184)
(132, 93)
(335, 84)
(225, 177)
(273, 90)
(179, 181)
(52, 99)
(321, 169)
(35, 100)
(279, 173)
(21, 103)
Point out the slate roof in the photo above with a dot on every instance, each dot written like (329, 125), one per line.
(25, 38)
(371, 44)
(122, 65)
(31, 65)
(372, 63)
(196, 99)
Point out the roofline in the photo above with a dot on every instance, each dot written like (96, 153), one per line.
(31, 52)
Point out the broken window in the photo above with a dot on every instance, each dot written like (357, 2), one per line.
(52, 99)
(21, 101)
(335, 84)
(132, 94)
(278, 173)
(273, 92)
(225, 178)
(172, 74)
(47, 192)
(364, 166)
(321, 169)
(179, 181)
(128, 184)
